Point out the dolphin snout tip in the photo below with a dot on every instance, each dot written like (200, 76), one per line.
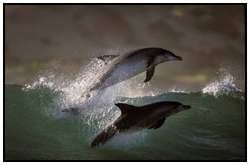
(179, 58)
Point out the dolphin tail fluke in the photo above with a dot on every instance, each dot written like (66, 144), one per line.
(104, 136)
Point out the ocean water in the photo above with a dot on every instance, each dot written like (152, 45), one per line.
(37, 129)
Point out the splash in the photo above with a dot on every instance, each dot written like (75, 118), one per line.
(98, 110)
(223, 85)
(177, 90)
(71, 89)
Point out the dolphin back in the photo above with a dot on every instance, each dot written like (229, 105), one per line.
(104, 136)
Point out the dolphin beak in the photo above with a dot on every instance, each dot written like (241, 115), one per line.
(178, 58)
(173, 57)
(186, 107)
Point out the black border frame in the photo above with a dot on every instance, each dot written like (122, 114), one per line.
(59, 4)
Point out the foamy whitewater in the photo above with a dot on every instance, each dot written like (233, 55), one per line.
(224, 84)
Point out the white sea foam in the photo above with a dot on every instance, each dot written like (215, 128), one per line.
(177, 90)
(224, 84)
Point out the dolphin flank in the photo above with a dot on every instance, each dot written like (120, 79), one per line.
(131, 64)
(150, 116)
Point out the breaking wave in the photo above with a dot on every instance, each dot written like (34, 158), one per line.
(224, 84)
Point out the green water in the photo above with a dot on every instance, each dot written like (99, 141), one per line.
(214, 129)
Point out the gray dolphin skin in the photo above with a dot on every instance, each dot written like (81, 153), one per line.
(125, 66)
(134, 118)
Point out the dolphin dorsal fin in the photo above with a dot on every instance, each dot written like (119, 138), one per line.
(107, 58)
(125, 108)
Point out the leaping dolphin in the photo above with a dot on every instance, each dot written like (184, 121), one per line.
(150, 116)
(123, 67)
(129, 65)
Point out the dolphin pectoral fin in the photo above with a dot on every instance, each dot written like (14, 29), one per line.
(107, 58)
(149, 74)
(125, 108)
(104, 136)
(158, 124)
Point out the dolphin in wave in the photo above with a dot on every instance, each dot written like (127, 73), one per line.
(131, 64)
(134, 118)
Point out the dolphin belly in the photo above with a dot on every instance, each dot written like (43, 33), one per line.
(124, 71)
